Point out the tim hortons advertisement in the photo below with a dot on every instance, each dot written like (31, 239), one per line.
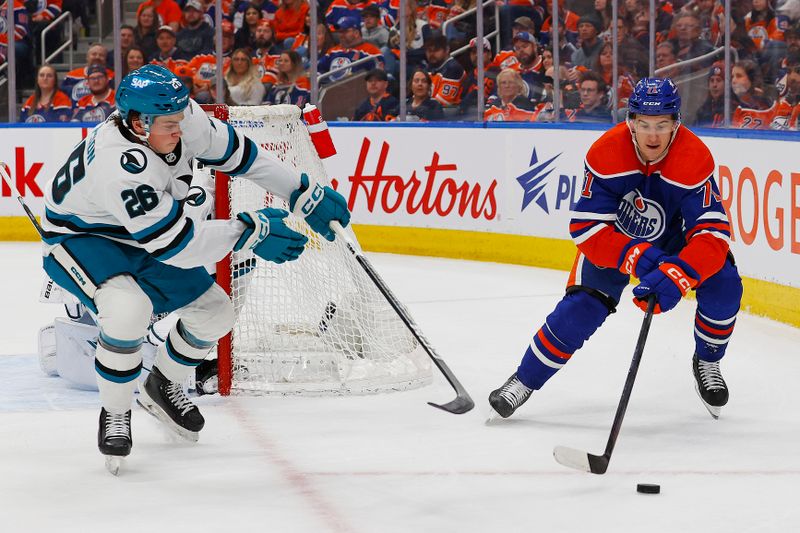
(31, 156)
(513, 181)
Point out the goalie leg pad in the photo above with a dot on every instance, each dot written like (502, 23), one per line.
(576, 317)
(75, 353)
(718, 301)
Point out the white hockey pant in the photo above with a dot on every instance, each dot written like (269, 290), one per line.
(123, 315)
(202, 323)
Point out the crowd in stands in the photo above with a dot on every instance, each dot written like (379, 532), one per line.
(266, 57)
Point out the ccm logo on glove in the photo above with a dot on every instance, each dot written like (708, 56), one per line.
(313, 200)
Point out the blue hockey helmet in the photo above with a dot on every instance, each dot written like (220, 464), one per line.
(152, 91)
(655, 96)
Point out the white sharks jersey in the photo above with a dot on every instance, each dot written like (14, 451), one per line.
(115, 187)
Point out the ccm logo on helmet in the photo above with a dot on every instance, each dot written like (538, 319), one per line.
(651, 103)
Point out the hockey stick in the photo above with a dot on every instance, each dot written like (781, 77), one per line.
(598, 464)
(10, 184)
(462, 403)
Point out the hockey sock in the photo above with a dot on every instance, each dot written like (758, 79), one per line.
(576, 317)
(118, 365)
(711, 336)
(178, 357)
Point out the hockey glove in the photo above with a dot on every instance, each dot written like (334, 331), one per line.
(639, 258)
(269, 237)
(319, 206)
(670, 282)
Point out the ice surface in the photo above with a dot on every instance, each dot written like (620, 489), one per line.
(391, 463)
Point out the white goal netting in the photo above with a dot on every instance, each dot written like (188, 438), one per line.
(316, 325)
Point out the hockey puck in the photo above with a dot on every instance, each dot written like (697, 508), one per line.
(647, 488)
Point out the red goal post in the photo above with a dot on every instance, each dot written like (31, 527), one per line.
(314, 326)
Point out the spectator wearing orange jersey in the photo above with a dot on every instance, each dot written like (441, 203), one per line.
(196, 36)
(764, 25)
(566, 18)
(168, 11)
(47, 103)
(380, 106)
(290, 19)
(99, 103)
(75, 84)
(754, 110)
(510, 103)
(446, 73)
(244, 80)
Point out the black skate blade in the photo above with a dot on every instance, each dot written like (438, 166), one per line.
(156, 411)
(114, 463)
(580, 460)
(458, 406)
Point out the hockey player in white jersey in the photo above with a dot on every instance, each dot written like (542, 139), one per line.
(116, 237)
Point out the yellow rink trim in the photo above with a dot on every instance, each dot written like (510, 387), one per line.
(764, 298)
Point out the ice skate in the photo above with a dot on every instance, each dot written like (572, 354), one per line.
(114, 438)
(167, 401)
(206, 378)
(506, 399)
(709, 385)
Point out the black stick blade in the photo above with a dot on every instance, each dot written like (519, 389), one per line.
(459, 406)
(580, 460)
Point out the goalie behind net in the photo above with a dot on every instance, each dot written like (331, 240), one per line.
(316, 325)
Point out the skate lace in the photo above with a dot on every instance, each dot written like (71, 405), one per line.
(514, 392)
(178, 398)
(710, 375)
(117, 425)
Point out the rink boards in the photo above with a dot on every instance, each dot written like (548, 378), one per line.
(498, 193)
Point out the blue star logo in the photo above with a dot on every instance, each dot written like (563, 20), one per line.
(533, 183)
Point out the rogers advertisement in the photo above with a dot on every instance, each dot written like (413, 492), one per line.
(515, 181)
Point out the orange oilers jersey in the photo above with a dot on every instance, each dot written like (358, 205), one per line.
(447, 80)
(762, 31)
(509, 113)
(673, 203)
(206, 67)
(504, 59)
(752, 119)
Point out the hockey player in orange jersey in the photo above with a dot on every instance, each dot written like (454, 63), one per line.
(649, 208)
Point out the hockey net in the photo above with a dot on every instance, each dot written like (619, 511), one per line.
(312, 326)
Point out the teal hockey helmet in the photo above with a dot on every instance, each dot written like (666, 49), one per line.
(152, 91)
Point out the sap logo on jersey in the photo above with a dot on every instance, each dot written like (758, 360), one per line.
(133, 160)
(640, 218)
(140, 83)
